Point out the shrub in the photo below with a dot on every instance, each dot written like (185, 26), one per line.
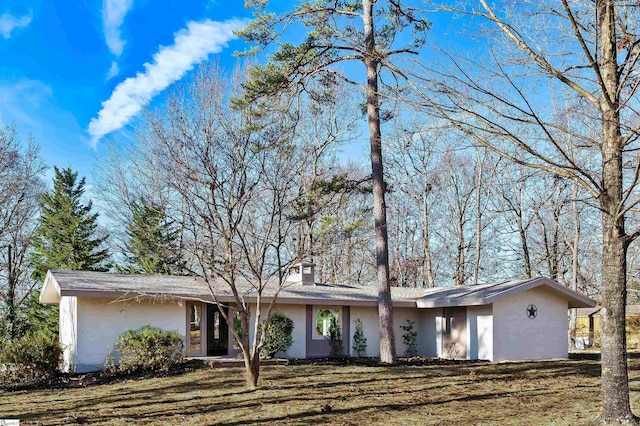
(410, 338)
(359, 341)
(335, 336)
(33, 357)
(146, 348)
(278, 337)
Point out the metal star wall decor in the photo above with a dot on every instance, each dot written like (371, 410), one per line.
(532, 311)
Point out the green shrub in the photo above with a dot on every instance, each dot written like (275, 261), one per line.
(335, 336)
(33, 357)
(278, 337)
(146, 348)
(359, 341)
(410, 338)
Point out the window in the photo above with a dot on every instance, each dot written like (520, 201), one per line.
(323, 321)
(195, 315)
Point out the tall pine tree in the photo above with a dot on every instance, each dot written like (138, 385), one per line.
(152, 246)
(67, 236)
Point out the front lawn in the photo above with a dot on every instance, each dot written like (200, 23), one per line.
(552, 392)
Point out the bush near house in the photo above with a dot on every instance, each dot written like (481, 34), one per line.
(278, 337)
(410, 338)
(32, 358)
(359, 341)
(146, 348)
(335, 337)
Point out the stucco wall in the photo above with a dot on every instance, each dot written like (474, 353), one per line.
(425, 325)
(319, 347)
(400, 317)
(429, 321)
(100, 323)
(370, 329)
(480, 332)
(68, 332)
(299, 316)
(517, 337)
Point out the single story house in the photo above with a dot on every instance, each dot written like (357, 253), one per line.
(510, 320)
(588, 327)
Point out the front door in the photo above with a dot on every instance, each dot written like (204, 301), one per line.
(217, 332)
(207, 331)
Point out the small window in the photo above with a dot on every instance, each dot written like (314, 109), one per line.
(323, 322)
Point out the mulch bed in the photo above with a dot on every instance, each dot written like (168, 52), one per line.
(81, 380)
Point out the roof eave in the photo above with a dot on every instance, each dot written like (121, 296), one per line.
(574, 299)
(128, 295)
(421, 303)
(50, 293)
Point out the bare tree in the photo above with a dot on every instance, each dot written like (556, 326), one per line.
(412, 157)
(20, 191)
(232, 178)
(586, 53)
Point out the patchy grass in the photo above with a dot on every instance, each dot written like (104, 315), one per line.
(542, 393)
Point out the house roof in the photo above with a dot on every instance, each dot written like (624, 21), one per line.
(632, 311)
(490, 293)
(106, 285)
(102, 284)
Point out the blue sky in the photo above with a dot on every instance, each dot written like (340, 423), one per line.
(74, 74)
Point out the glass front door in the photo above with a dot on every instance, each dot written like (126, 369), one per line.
(207, 331)
(217, 332)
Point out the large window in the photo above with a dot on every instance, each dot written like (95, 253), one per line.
(195, 316)
(323, 321)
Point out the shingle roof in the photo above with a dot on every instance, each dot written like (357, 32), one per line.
(632, 311)
(106, 284)
(101, 284)
(489, 293)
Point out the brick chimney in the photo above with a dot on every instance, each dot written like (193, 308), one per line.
(302, 273)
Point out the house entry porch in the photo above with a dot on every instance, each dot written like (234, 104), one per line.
(207, 331)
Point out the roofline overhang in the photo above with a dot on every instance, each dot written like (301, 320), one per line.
(575, 299)
(50, 293)
(128, 295)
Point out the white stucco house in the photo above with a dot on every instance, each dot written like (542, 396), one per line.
(510, 320)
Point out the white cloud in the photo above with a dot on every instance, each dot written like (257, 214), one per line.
(8, 23)
(113, 71)
(113, 13)
(191, 46)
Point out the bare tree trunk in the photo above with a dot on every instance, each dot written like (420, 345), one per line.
(476, 264)
(12, 282)
(428, 274)
(615, 380)
(524, 243)
(251, 357)
(574, 265)
(385, 310)
(554, 260)
(460, 253)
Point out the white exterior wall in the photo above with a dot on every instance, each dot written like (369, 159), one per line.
(480, 332)
(517, 337)
(400, 317)
(298, 313)
(100, 323)
(369, 317)
(68, 331)
(429, 322)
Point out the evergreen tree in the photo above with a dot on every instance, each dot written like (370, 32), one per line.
(152, 246)
(67, 235)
